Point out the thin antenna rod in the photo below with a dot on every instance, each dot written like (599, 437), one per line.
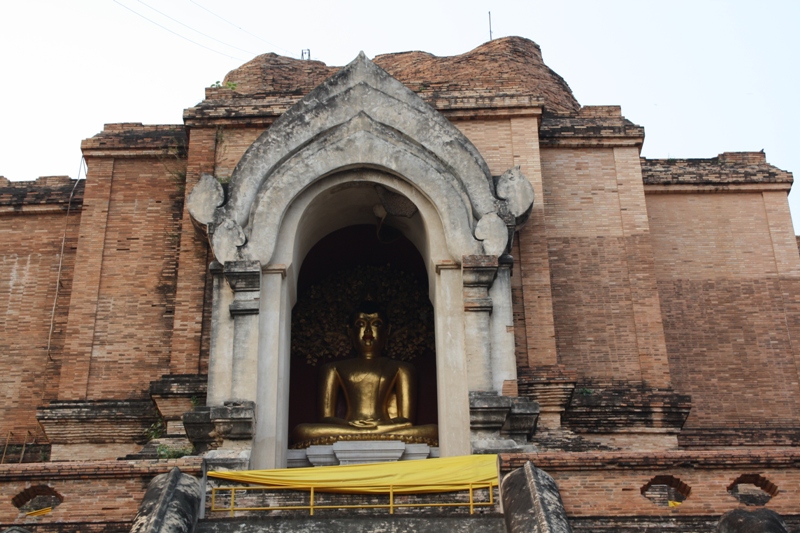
(490, 25)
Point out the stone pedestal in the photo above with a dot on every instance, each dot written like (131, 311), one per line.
(359, 452)
(415, 452)
(297, 459)
(501, 423)
(321, 455)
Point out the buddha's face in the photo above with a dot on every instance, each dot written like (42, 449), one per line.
(368, 333)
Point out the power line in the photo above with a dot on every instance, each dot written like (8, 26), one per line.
(197, 31)
(240, 28)
(177, 34)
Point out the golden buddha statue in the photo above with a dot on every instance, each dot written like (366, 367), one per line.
(380, 393)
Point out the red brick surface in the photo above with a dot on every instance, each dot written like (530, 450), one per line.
(509, 66)
(606, 310)
(730, 317)
(193, 260)
(93, 491)
(610, 483)
(34, 226)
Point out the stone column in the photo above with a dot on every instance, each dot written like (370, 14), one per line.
(220, 360)
(244, 277)
(272, 403)
(504, 364)
(478, 272)
(451, 364)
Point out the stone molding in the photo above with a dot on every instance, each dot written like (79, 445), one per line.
(363, 104)
(501, 422)
(551, 386)
(622, 407)
(654, 460)
(750, 436)
(208, 427)
(132, 139)
(97, 421)
(591, 126)
(243, 276)
(175, 394)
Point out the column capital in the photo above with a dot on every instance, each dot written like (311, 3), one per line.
(479, 270)
(243, 276)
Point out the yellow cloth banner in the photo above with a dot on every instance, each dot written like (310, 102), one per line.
(426, 475)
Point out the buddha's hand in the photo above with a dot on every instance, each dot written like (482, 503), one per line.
(400, 422)
(367, 423)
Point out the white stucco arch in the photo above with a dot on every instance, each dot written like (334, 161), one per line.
(331, 203)
(310, 174)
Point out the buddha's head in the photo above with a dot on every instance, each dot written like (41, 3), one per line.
(369, 329)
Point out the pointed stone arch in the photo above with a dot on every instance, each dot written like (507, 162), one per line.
(359, 129)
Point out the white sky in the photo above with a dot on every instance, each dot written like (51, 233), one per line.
(701, 76)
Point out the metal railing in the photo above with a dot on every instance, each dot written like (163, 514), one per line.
(24, 445)
(312, 506)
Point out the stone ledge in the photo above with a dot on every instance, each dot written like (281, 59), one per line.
(726, 168)
(175, 394)
(96, 421)
(598, 408)
(51, 191)
(591, 126)
(133, 139)
(501, 422)
(180, 385)
(111, 469)
(111, 526)
(614, 460)
(749, 436)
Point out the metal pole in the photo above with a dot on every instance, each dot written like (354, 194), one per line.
(5, 449)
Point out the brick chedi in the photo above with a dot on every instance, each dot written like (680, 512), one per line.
(629, 325)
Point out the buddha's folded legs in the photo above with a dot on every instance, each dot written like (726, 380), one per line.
(308, 432)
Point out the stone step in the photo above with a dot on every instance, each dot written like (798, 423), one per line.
(485, 523)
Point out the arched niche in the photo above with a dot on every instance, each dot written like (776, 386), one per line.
(345, 267)
(338, 201)
(315, 171)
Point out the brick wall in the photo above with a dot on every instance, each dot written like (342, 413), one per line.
(596, 484)
(599, 261)
(137, 282)
(231, 145)
(33, 226)
(729, 291)
(120, 324)
(93, 492)
(505, 143)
